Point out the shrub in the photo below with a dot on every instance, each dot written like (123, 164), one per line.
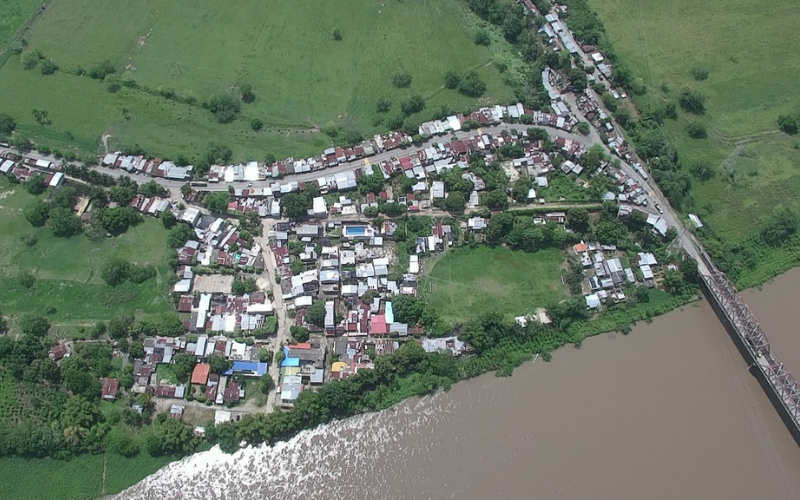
(699, 73)
(452, 79)
(696, 131)
(482, 38)
(472, 85)
(401, 80)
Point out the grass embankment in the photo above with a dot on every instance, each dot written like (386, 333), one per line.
(467, 281)
(67, 270)
(302, 78)
(749, 84)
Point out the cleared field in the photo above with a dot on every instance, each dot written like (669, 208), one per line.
(469, 281)
(67, 270)
(302, 78)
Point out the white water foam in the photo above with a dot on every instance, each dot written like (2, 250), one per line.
(333, 458)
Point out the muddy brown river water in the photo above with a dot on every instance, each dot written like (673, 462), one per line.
(668, 411)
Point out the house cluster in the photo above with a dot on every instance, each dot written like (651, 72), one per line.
(141, 165)
(151, 205)
(216, 243)
(24, 168)
(224, 312)
(607, 272)
(217, 388)
(594, 112)
(302, 365)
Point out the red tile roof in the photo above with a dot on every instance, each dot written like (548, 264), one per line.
(110, 386)
(200, 373)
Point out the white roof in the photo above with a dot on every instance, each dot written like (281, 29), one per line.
(592, 301)
(56, 180)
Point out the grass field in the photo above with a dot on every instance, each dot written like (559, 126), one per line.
(469, 281)
(77, 479)
(67, 270)
(303, 79)
(749, 50)
(13, 14)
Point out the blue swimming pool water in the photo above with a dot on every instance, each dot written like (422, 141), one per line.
(357, 231)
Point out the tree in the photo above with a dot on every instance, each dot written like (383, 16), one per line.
(30, 59)
(452, 79)
(371, 211)
(102, 70)
(41, 117)
(218, 202)
(482, 38)
(696, 130)
(247, 93)
(7, 124)
(455, 202)
(642, 294)
(673, 281)
(703, 170)
(583, 128)
(316, 313)
(383, 106)
(578, 219)
(299, 333)
(34, 324)
(36, 185)
(63, 223)
(472, 85)
(265, 383)
(172, 437)
(243, 286)
(225, 107)
(692, 100)
(37, 212)
(296, 205)
(117, 220)
(401, 80)
(497, 200)
(115, 271)
(256, 124)
(48, 66)
(179, 235)
(136, 350)
(218, 363)
(168, 219)
(218, 153)
(119, 326)
(787, 123)
(183, 366)
(337, 35)
(78, 377)
(413, 104)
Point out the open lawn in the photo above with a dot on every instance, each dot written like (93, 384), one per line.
(67, 270)
(13, 15)
(469, 281)
(77, 479)
(302, 77)
(749, 50)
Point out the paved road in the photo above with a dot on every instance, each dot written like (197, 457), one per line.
(174, 185)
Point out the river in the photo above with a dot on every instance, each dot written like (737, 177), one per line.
(668, 411)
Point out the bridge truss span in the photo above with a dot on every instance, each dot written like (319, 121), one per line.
(755, 341)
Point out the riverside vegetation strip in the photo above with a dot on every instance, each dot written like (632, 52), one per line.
(744, 167)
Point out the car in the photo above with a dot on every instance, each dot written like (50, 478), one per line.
(658, 207)
(249, 184)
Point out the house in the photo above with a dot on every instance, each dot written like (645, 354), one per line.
(232, 394)
(291, 387)
(452, 344)
(437, 190)
(476, 223)
(58, 352)
(200, 373)
(109, 388)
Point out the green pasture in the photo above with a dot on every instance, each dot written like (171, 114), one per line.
(67, 270)
(469, 281)
(748, 49)
(302, 78)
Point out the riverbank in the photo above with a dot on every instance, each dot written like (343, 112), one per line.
(667, 411)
